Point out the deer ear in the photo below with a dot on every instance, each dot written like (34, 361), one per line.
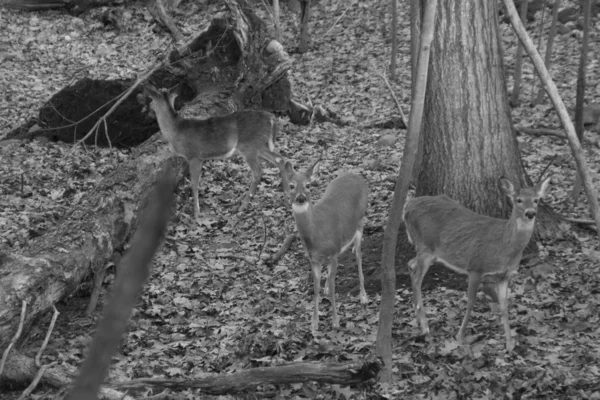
(150, 90)
(507, 187)
(289, 169)
(542, 187)
(174, 91)
(172, 94)
(313, 169)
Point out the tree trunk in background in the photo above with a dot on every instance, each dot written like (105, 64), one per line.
(394, 39)
(519, 60)
(276, 19)
(468, 140)
(416, 15)
(580, 96)
(549, 44)
(304, 29)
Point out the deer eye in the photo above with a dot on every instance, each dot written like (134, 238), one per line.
(307, 185)
(519, 200)
(535, 201)
(292, 186)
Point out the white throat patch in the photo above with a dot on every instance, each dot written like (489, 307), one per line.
(525, 224)
(299, 208)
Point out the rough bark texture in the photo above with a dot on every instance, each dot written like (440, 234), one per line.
(20, 369)
(340, 374)
(54, 265)
(38, 5)
(467, 137)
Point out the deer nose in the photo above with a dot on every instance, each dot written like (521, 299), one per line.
(530, 214)
(301, 199)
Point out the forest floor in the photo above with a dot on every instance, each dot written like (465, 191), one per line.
(213, 305)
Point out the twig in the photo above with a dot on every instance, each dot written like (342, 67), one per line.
(59, 113)
(391, 92)
(124, 96)
(162, 395)
(15, 338)
(284, 248)
(590, 223)
(34, 383)
(546, 169)
(38, 356)
(262, 216)
(75, 73)
(338, 20)
(268, 8)
(168, 21)
(541, 132)
(106, 133)
(234, 257)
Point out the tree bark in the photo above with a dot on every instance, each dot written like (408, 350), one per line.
(333, 373)
(519, 60)
(468, 140)
(549, 45)
(395, 218)
(304, 28)
(580, 96)
(394, 39)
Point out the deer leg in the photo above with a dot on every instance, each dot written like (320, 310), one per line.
(502, 291)
(418, 268)
(316, 269)
(332, 269)
(195, 170)
(254, 164)
(474, 282)
(489, 288)
(358, 253)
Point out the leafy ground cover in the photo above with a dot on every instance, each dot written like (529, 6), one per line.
(214, 306)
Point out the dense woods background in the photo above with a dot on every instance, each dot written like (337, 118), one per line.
(215, 305)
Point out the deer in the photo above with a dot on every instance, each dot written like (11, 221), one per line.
(250, 133)
(329, 227)
(487, 249)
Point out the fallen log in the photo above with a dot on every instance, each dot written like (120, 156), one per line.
(350, 373)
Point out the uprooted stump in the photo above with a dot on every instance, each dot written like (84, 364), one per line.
(70, 114)
(236, 44)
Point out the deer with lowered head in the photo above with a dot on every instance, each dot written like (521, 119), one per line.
(484, 248)
(328, 227)
(250, 133)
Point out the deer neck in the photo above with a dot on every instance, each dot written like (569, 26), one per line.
(517, 233)
(168, 120)
(305, 221)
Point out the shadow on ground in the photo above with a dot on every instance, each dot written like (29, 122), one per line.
(372, 245)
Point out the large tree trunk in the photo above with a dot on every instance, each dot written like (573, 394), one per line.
(54, 265)
(467, 136)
